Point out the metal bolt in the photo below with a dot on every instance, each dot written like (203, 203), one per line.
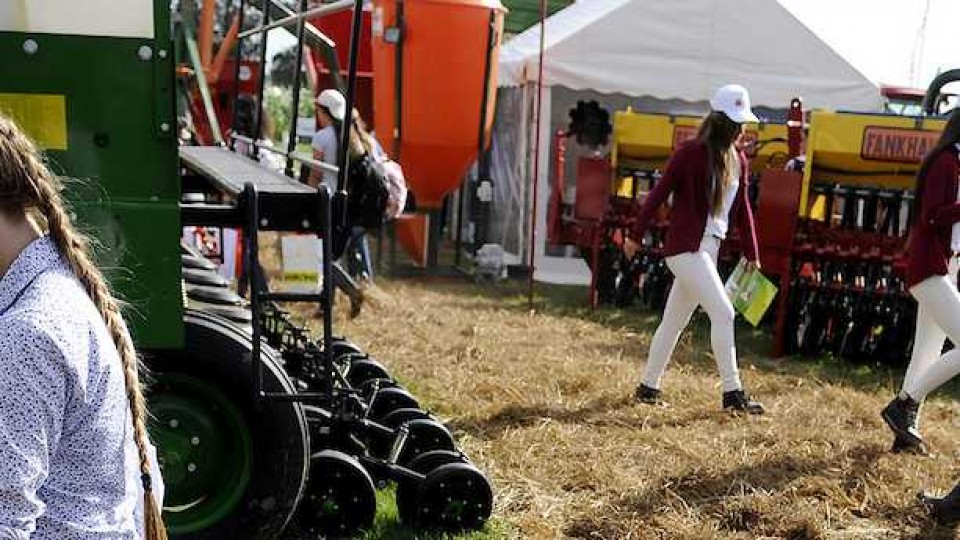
(164, 127)
(145, 53)
(191, 467)
(306, 224)
(162, 53)
(30, 46)
(174, 423)
(264, 222)
(195, 441)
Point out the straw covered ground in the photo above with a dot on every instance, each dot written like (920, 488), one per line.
(541, 401)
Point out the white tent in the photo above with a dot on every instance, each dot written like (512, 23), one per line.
(657, 55)
(684, 49)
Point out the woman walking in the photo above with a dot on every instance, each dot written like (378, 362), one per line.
(75, 459)
(932, 264)
(708, 180)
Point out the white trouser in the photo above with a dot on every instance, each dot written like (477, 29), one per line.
(938, 317)
(696, 283)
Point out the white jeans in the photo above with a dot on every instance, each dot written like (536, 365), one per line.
(938, 317)
(696, 283)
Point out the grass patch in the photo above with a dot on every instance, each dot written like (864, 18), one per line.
(388, 527)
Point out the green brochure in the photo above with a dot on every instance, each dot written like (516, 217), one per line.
(750, 292)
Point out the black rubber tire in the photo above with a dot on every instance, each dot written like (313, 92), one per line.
(425, 436)
(218, 352)
(214, 295)
(207, 278)
(341, 499)
(200, 263)
(471, 504)
(400, 416)
(370, 386)
(387, 400)
(365, 370)
(408, 489)
(378, 444)
(342, 346)
(235, 314)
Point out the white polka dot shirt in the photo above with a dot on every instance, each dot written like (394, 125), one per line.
(68, 462)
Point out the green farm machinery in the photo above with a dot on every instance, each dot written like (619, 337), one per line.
(261, 427)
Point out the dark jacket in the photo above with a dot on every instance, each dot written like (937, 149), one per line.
(928, 247)
(686, 178)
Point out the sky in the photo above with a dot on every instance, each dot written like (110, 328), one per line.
(879, 37)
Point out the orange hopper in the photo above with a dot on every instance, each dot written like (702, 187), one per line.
(433, 73)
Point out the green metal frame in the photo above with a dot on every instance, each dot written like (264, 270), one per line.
(121, 158)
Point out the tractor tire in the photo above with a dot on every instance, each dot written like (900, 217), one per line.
(233, 468)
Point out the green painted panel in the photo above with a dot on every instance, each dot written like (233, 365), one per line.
(118, 96)
(136, 255)
(525, 13)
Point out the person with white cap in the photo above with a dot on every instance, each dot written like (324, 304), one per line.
(708, 178)
(933, 260)
(331, 110)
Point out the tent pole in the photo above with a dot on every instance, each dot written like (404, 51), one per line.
(536, 156)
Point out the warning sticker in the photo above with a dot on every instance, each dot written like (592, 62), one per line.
(42, 116)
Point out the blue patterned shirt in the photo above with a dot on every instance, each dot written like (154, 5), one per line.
(68, 462)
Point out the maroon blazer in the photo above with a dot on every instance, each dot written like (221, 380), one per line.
(686, 177)
(928, 247)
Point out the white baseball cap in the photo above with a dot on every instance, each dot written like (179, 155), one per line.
(733, 100)
(334, 102)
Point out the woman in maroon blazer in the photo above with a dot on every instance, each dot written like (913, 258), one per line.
(932, 266)
(708, 180)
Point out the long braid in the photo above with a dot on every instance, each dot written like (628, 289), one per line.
(35, 187)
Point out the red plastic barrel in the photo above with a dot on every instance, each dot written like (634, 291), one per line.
(433, 71)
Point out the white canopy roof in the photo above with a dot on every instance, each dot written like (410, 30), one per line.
(685, 49)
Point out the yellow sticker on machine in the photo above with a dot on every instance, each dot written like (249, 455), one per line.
(42, 116)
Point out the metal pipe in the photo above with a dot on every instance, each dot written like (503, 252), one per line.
(329, 287)
(252, 227)
(483, 168)
(204, 88)
(258, 122)
(205, 37)
(398, 117)
(295, 109)
(310, 162)
(302, 157)
(343, 159)
(325, 9)
(221, 57)
(536, 161)
(235, 113)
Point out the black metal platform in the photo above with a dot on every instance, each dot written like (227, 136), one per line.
(285, 204)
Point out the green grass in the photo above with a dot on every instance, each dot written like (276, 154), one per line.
(388, 527)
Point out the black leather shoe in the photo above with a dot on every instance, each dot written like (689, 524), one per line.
(945, 510)
(907, 446)
(901, 415)
(739, 401)
(649, 396)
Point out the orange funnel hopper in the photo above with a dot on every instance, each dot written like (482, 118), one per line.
(430, 86)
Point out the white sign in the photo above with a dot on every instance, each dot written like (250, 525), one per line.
(301, 258)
